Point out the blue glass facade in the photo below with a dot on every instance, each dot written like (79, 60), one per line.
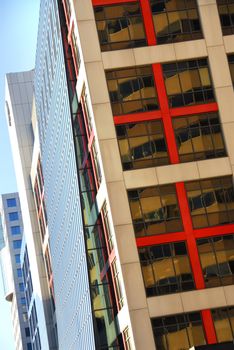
(68, 257)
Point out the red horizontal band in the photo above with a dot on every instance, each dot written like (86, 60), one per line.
(160, 239)
(110, 2)
(188, 110)
(214, 231)
(137, 117)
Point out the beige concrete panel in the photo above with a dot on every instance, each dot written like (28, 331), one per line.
(214, 167)
(89, 41)
(126, 243)
(140, 178)
(177, 172)
(83, 10)
(165, 305)
(219, 66)
(203, 299)
(229, 43)
(154, 54)
(229, 294)
(142, 330)
(228, 131)
(97, 82)
(104, 121)
(225, 99)
(206, 2)
(118, 59)
(134, 286)
(190, 49)
(211, 25)
(119, 203)
(111, 160)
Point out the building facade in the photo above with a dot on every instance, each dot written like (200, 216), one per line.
(135, 109)
(12, 230)
(19, 102)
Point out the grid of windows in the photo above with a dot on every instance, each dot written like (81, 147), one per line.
(224, 324)
(178, 332)
(199, 137)
(19, 272)
(132, 90)
(120, 26)
(17, 244)
(166, 269)
(17, 258)
(231, 66)
(142, 145)
(217, 260)
(11, 202)
(175, 20)
(13, 216)
(188, 82)
(211, 201)
(226, 14)
(21, 287)
(15, 230)
(155, 210)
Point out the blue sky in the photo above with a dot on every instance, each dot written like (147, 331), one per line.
(18, 33)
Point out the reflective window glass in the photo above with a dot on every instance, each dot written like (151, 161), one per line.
(166, 269)
(175, 20)
(120, 26)
(132, 90)
(211, 201)
(188, 82)
(199, 137)
(178, 332)
(223, 322)
(142, 145)
(217, 260)
(155, 210)
(226, 15)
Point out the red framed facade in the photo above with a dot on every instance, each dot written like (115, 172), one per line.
(166, 114)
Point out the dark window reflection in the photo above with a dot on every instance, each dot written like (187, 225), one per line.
(178, 332)
(226, 15)
(142, 145)
(217, 260)
(211, 201)
(188, 82)
(120, 26)
(199, 137)
(155, 210)
(132, 90)
(166, 269)
(175, 20)
(224, 323)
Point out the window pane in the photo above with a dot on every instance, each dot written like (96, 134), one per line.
(11, 202)
(15, 230)
(13, 216)
(120, 26)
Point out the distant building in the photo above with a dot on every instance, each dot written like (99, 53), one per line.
(19, 101)
(135, 111)
(12, 233)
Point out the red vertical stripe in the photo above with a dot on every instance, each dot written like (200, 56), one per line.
(209, 327)
(148, 22)
(191, 242)
(166, 117)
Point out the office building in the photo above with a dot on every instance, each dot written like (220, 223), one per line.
(135, 108)
(19, 102)
(12, 233)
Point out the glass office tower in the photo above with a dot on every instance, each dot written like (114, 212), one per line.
(135, 107)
